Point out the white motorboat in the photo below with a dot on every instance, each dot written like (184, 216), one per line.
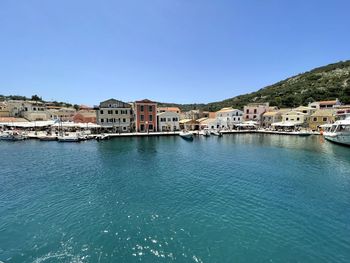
(205, 132)
(68, 138)
(186, 135)
(12, 136)
(339, 132)
(216, 133)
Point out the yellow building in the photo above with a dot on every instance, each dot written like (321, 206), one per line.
(321, 117)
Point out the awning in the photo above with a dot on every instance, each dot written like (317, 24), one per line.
(31, 124)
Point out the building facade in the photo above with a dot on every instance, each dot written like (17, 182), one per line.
(326, 104)
(169, 109)
(254, 111)
(85, 116)
(145, 116)
(226, 118)
(115, 114)
(168, 121)
(321, 117)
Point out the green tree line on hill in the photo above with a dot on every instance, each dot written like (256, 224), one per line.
(323, 83)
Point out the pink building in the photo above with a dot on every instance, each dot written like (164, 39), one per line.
(254, 111)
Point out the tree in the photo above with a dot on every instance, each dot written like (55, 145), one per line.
(36, 98)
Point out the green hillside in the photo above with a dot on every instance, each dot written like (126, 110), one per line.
(324, 83)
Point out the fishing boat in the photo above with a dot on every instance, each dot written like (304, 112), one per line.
(186, 135)
(339, 132)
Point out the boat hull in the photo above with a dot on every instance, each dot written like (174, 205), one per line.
(339, 139)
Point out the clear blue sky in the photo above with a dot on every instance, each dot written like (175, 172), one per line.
(180, 51)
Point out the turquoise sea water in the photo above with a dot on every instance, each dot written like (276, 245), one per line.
(239, 198)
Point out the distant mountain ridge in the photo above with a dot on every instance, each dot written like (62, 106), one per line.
(322, 83)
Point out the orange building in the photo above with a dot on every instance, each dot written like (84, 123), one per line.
(145, 116)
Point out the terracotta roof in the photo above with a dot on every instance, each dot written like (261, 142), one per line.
(328, 102)
(270, 113)
(12, 119)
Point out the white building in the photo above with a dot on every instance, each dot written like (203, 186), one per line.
(168, 121)
(115, 114)
(226, 118)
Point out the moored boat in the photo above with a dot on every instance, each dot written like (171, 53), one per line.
(216, 133)
(12, 136)
(339, 132)
(68, 138)
(186, 135)
(205, 132)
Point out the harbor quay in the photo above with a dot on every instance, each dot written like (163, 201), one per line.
(113, 118)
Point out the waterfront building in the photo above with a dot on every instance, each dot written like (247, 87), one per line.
(85, 116)
(254, 111)
(342, 112)
(209, 123)
(145, 115)
(169, 109)
(61, 113)
(168, 121)
(189, 124)
(115, 114)
(270, 117)
(226, 118)
(326, 104)
(320, 117)
(195, 114)
(295, 117)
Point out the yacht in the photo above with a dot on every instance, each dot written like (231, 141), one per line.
(339, 132)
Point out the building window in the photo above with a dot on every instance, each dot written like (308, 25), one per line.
(315, 119)
(150, 108)
(175, 119)
(286, 119)
(124, 128)
(142, 117)
(325, 119)
(254, 111)
(150, 118)
(254, 117)
(163, 119)
(116, 112)
(110, 112)
(150, 127)
(247, 116)
(101, 111)
(102, 120)
(124, 120)
(298, 119)
(247, 112)
(141, 108)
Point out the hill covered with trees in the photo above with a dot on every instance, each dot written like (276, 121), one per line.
(323, 83)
